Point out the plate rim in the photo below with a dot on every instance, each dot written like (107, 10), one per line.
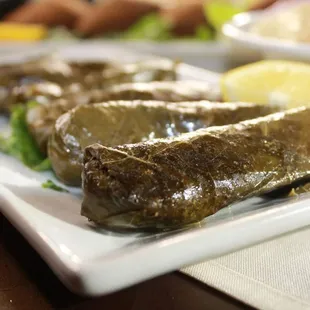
(83, 278)
(233, 30)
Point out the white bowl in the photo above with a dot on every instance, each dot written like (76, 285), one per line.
(237, 31)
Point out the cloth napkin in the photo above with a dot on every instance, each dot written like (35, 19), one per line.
(274, 275)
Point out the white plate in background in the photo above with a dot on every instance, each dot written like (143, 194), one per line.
(256, 46)
(212, 55)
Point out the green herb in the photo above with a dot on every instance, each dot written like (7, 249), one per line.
(219, 12)
(20, 143)
(204, 33)
(31, 104)
(44, 165)
(51, 185)
(149, 27)
(4, 144)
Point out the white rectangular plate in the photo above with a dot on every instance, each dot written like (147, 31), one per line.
(93, 261)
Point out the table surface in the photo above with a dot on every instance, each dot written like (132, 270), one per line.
(26, 282)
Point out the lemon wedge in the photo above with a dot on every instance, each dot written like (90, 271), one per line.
(286, 83)
(21, 32)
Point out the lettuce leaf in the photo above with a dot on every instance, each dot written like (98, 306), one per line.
(219, 12)
(21, 144)
(149, 27)
(204, 33)
(154, 27)
(51, 185)
(44, 165)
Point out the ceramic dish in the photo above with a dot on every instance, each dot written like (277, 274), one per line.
(237, 32)
(95, 261)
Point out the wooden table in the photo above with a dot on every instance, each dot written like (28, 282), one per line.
(26, 283)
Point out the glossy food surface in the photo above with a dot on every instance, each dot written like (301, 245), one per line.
(120, 122)
(167, 183)
(41, 118)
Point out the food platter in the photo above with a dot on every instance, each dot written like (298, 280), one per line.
(93, 261)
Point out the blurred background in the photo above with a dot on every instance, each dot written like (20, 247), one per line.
(159, 20)
(185, 29)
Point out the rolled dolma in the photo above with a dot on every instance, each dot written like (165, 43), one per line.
(41, 118)
(120, 122)
(46, 77)
(75, 78)
(167, 183)
(142, 71)
(174, 91)
(48, 64)
(40, 85)
(52, 65)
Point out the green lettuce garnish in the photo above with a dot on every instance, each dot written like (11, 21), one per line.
(44, 165)
(204, 33)
(150, 27)
(51, 185)
(21, 144)
(154, 27)
(219, 12)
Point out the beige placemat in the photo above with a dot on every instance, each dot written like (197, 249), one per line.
(274, 275)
